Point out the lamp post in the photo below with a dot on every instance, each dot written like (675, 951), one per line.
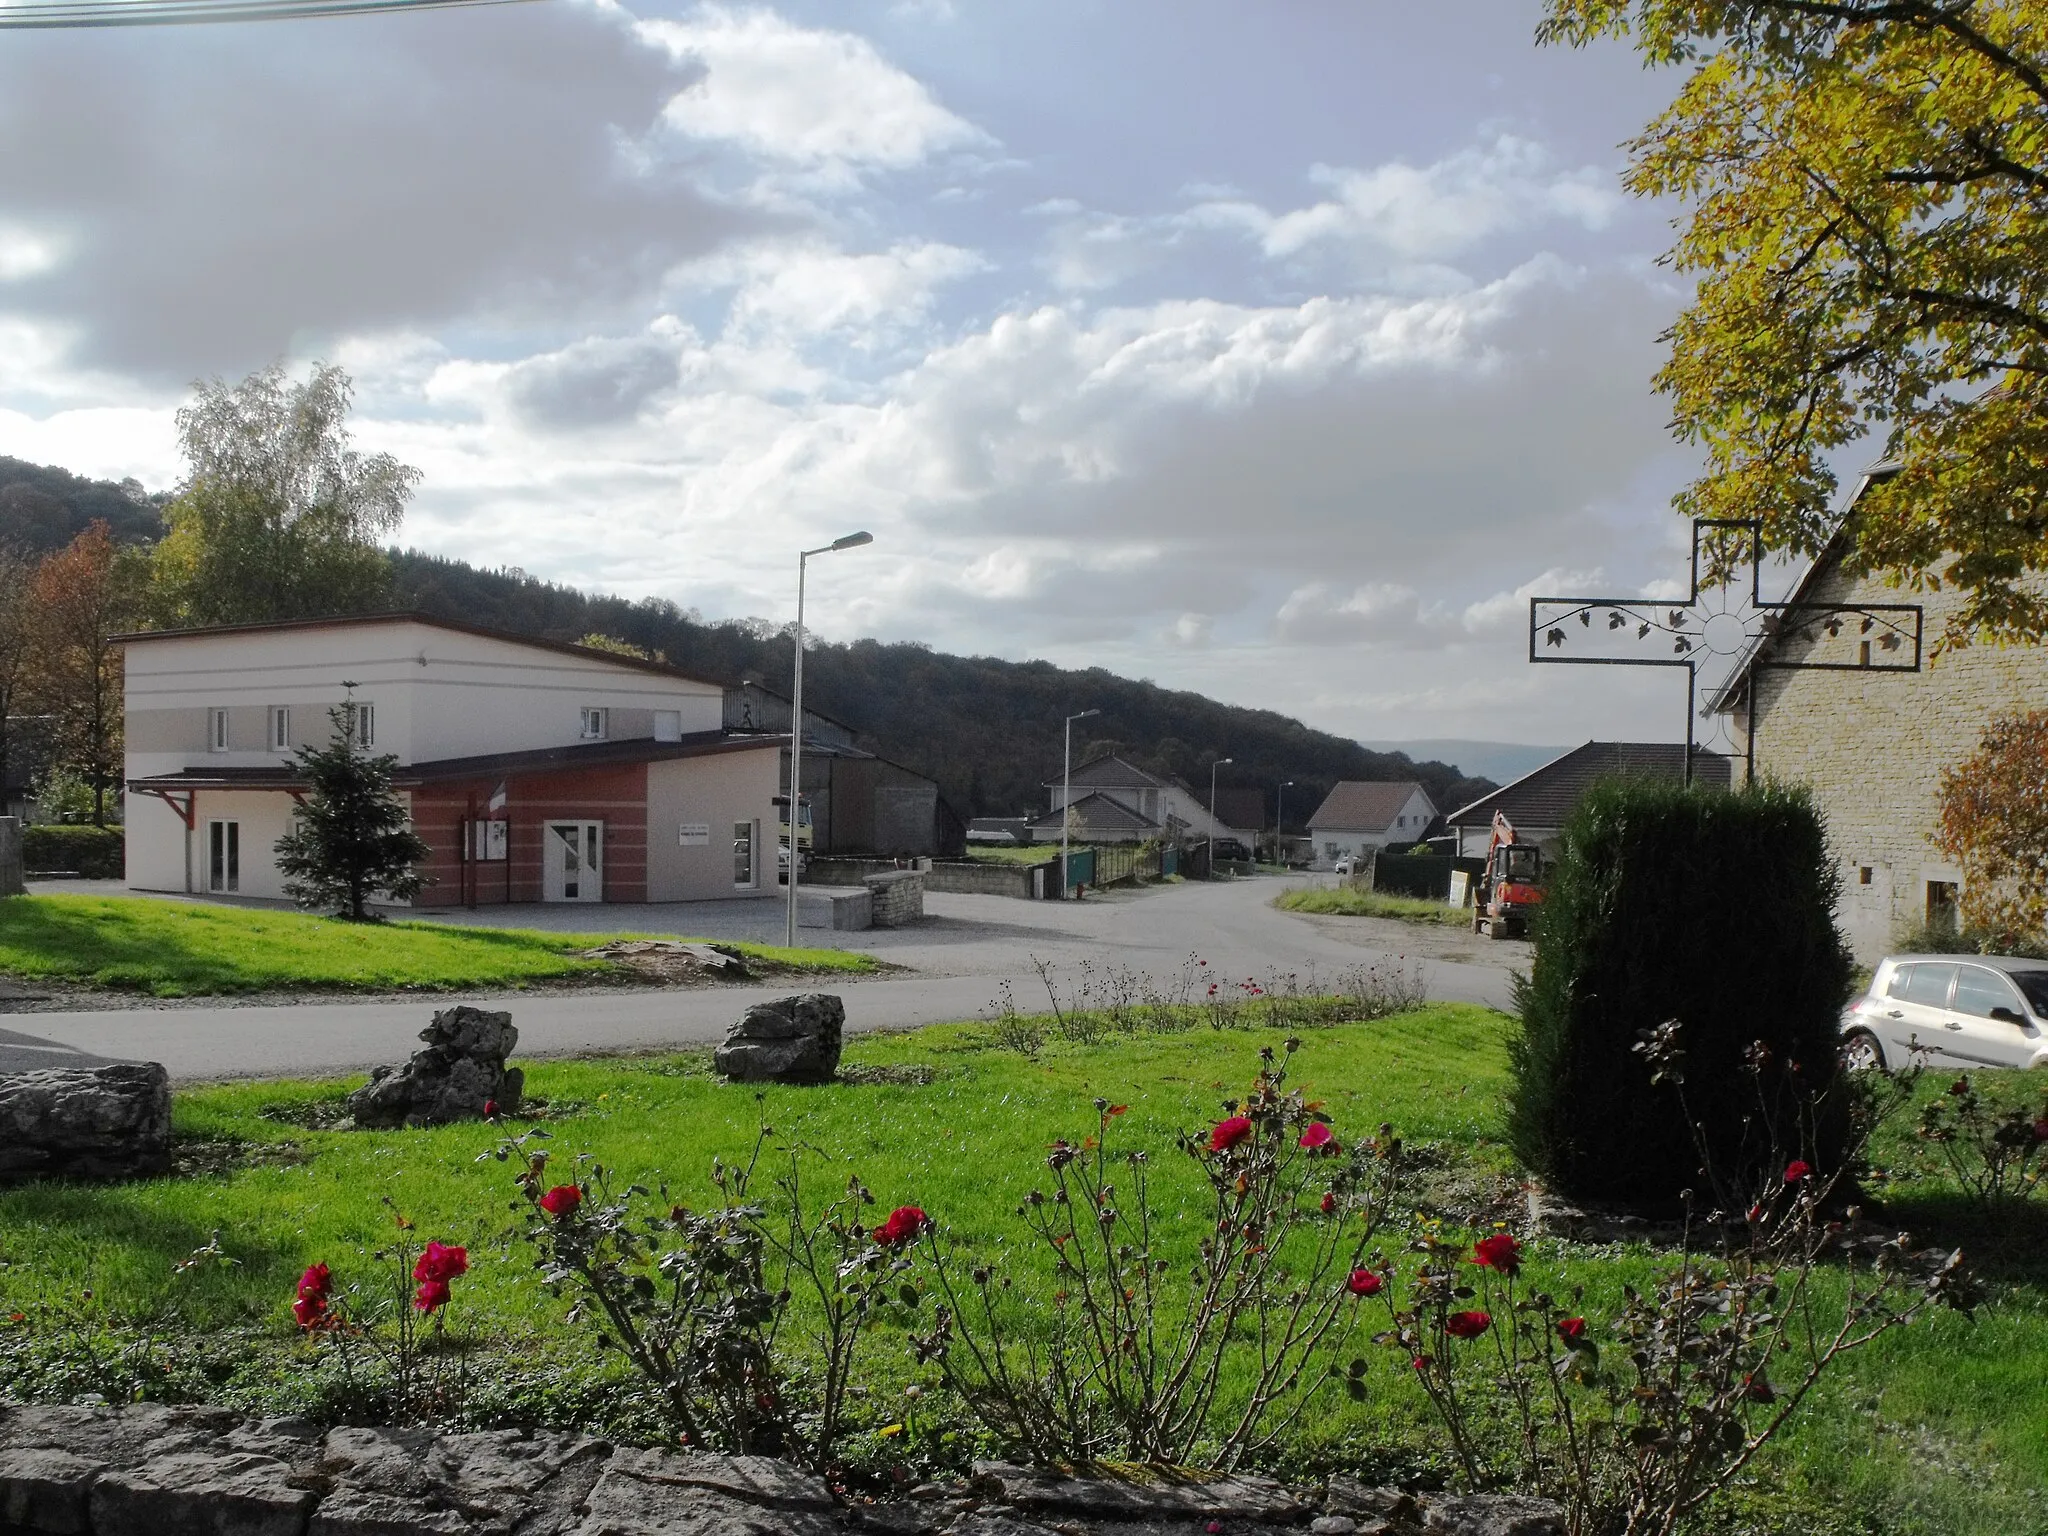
(1279, 803)
(1212, 812)
(796, 716)
(1067, 796)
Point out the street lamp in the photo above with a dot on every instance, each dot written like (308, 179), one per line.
(1067, 797)
(1279, 802)
(796, 715)
(1212, 812)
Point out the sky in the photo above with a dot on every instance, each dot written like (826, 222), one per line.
(1276, 349)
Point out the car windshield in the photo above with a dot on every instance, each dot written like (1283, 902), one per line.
(2035, 985)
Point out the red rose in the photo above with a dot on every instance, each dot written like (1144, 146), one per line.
(311, 1311)
(1467, 1325)
(490, 1108)
(1571, 1329)
(1364, 1282)
(1317, 1135)
(2041, 1129)
(440, 1263)
(1229, 1133)
(562, 1200)
(1758, 1389)
(903, 1225)
(1420, 1362)
(1500, 1252)
(315, 1283)
(1797, 1169)
(1329, 1202)
(432, 1295)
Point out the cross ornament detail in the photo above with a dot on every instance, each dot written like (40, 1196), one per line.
(1720, 625)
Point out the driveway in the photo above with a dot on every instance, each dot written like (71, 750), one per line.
(959, 959)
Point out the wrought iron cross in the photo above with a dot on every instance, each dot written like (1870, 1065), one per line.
(1720, 625)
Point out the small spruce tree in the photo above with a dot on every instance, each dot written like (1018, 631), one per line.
(349, 838)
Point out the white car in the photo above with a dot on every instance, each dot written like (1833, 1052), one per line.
(1950, 1011)
(1345, 864)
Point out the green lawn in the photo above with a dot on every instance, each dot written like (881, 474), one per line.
(1942, 1428)
(175, 948)
(1030, 853)
(1345, 902)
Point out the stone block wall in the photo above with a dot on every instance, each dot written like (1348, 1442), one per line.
(896, 899)
(11, 879)
(964, 876)
(1872, 745)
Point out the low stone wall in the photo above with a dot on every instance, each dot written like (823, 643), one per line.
(74, 1471)
(967, 877)
(12, 882)
(896, 899)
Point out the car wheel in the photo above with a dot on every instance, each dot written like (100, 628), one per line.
(1862, 1053)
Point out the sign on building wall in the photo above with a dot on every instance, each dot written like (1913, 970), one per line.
(694, 834)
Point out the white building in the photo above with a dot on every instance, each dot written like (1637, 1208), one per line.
(1115, 802)
(535, 771)
(1356, 816)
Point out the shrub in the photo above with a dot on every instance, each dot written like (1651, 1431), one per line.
(98, 853)
(1712, 909)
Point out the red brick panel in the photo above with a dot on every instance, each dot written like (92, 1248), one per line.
(616, 796)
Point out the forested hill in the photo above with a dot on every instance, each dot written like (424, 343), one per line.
(989, 731)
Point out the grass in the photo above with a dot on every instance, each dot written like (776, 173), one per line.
(176, 949)
(1942, 1428)
(1030, 853)
(1343, 901)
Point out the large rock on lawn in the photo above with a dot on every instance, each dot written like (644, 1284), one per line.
(111, 1122)
(460, 1072)
(791, 1040)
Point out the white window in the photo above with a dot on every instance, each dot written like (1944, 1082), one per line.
(223, 855)
(668, 725)
(280, 728)
(216, 730)
(594, 724)
(366, 725)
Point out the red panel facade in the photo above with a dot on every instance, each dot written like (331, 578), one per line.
(614, 795)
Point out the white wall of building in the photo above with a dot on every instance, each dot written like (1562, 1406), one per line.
(714, 793)
(1333, 843)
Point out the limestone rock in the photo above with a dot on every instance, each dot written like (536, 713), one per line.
(111, 1122)
(1148, 1494)
(461, 1070)
(790, 1040)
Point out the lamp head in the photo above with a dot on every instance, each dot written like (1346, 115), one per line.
(1084, 714)
(853, 541)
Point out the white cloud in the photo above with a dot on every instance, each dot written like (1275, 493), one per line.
(824, 101)
(1321, 613)
(1506, 610)
(809, 290)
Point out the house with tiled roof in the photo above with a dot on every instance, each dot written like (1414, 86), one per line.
(1131, 805)
(1356, 817)
(1538, 803)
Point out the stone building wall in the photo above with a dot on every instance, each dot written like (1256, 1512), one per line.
(1873, 747)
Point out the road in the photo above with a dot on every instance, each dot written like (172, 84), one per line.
(960, 958)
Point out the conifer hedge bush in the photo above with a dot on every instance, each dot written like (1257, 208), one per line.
(1712, 908)
(94, 852)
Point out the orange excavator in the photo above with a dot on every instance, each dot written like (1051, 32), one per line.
(1512, 887)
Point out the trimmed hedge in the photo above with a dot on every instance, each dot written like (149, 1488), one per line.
(98, 853)
(1715, 909)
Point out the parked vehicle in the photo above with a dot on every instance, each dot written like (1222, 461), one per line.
(1512, 886)
(1346, 864)
(1950, 1011)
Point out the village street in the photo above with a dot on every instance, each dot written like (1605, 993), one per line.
(957, 961)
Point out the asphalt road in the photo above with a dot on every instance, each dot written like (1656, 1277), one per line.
(969, 948)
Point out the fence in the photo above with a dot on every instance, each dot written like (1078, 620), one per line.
(1424, 875)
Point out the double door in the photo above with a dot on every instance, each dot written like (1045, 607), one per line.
(572, 861)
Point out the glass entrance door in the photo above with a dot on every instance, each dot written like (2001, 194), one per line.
(573, 867)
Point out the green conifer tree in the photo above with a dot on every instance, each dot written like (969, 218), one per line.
(349, 839)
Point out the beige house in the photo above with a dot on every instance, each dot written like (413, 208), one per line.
(1873, 745)
(535, 771)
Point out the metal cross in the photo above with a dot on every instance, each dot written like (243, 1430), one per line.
(1720, 625)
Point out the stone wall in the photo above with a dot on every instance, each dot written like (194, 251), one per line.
(895, 899)
(966, 876)
(1873, 746)
(11, 881)
(76, 1471)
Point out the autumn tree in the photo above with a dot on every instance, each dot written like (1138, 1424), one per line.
(82, 597)
(17, 633)
(278, 517)
(1867, 185)
(1994, 823)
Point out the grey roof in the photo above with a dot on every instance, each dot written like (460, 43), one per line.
(1098, 813)
(1111, 771)
(1544, 798)
(1355, 806)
